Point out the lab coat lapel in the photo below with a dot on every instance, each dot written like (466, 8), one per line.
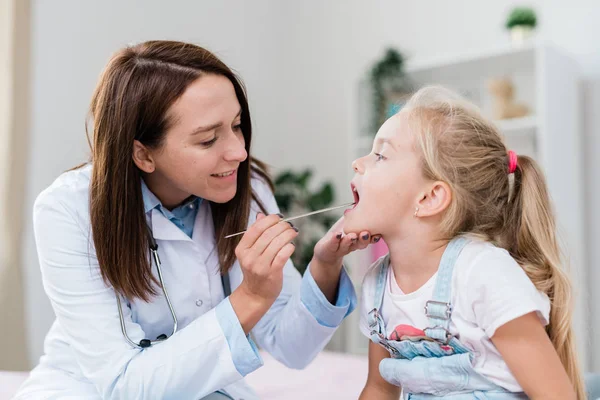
(204, 236)
(163, 229)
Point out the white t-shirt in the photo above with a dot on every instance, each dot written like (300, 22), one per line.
(489, 289)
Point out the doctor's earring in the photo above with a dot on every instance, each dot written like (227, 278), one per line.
(416, 212)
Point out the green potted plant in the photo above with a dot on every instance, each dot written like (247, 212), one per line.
(521, 23)
(294, 196)
(390, 87)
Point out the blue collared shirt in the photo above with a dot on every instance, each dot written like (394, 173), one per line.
(182, 216)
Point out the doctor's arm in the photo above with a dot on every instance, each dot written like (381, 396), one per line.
(193, 363)
(309, 309)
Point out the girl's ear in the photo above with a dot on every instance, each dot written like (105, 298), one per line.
(435, 200)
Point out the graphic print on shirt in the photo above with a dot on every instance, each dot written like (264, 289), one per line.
(407, 332)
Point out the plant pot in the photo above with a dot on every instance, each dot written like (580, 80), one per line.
(520, 34)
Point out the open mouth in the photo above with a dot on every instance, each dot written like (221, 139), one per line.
(356, 196)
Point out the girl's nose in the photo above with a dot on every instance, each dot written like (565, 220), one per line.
(357, 166)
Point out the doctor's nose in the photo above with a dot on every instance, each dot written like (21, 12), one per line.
(236, 150)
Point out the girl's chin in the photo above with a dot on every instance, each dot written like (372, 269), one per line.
(353, 223)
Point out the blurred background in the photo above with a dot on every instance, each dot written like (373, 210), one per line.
(321, 75)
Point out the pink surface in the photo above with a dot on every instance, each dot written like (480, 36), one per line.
(378, 249)
(330, 376)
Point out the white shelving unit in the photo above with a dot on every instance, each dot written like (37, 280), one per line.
(547, 81)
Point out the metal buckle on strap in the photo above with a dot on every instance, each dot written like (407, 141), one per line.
(441, 303)
(375, 318)
(391, 349)
(449, 335)
(380, 335)
(381, 339)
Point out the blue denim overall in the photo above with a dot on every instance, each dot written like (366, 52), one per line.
(438, 366)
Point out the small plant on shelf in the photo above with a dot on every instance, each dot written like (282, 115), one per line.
(521, 23)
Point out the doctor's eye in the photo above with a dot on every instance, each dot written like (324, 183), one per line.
(210, 142)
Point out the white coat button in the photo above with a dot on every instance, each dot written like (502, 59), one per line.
(199, 303)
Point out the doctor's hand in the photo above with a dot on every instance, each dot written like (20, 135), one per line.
(262, 253)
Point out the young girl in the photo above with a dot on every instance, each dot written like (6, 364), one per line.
(471, 301)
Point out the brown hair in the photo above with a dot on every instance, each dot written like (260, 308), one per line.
(130, 102)
(462, 148)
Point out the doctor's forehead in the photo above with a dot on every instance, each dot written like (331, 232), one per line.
(209, 100)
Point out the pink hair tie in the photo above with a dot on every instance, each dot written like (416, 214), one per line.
(512, 162)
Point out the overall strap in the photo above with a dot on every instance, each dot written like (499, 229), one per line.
(374, 318)
(439, 308)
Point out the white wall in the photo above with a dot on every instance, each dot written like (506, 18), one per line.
(301, 62)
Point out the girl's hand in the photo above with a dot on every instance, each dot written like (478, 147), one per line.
(332, 248)
(326, 265)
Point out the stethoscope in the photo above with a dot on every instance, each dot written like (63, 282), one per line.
(144, 343)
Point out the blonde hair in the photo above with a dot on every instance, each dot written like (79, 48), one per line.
(462, 148)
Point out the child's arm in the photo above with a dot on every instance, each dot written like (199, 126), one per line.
(528, 352)
(376, 387)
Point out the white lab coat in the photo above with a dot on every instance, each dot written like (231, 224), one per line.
(86, 356)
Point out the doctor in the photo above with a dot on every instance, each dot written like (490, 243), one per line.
(170, 175)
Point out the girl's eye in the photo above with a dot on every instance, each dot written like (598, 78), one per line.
(379, 157)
